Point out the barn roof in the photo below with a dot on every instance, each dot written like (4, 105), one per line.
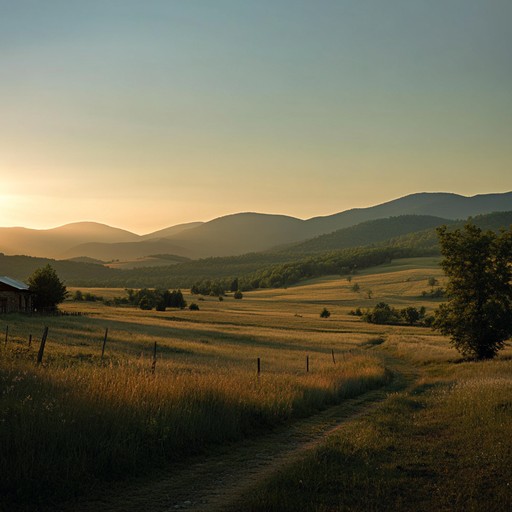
(13, 283)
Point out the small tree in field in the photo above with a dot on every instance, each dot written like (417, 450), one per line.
(325, 313)
(47, 288)
(478, 314)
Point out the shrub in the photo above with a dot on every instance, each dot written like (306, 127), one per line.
(325, 313)
(193, 307)
(382, 313)
(238, 295)
(145, 304)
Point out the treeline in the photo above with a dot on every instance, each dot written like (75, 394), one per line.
(342, 262)
(256, 270)
(383, 313)
(149, 299)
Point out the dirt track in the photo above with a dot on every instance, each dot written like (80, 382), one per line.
(218, 481)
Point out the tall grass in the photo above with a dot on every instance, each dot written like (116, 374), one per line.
(446, 445)
(64, 427)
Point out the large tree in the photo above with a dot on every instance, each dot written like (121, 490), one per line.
(478, 313)
(47, 288)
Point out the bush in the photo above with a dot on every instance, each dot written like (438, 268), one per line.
(145, 304)
(193, 307)
(382, 313)
(325, 313)
(238, 295)
(410, 315)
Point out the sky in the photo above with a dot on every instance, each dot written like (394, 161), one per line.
(145, 114)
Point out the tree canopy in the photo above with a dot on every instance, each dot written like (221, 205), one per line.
(478, 314)
(47, 288)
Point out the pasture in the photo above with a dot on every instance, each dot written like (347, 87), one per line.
(79, 421)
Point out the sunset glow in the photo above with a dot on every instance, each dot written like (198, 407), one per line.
(145, 115)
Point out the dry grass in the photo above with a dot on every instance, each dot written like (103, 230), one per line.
(85, 418)
(77, 418)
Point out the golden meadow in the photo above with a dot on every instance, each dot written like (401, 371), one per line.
(78, 419)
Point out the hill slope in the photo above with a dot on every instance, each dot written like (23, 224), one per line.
(441, 204)
(367, 233)
(52, 242)
(247, 232)
(233, 234)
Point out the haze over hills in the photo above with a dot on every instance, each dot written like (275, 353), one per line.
(173, 230)
(53, 242)
(367, 233)
(360, 245)
(232, 234)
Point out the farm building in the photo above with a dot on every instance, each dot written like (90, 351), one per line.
(15, 296)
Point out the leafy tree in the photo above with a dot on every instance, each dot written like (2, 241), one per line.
(478, 314)
(174, 299)
(238, 295)
(233, 287)
(382, 313)
(193, 307)
(432, 281)
(47, 288)
(410, 314)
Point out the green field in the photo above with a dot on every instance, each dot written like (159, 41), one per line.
(77, 421)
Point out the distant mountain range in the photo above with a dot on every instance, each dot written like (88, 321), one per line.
(366, 244)
(233, 234)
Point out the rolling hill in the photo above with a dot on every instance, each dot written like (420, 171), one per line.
(232, 234)
(242, 233)
(367, 233)
(53, 242)
(269, 268)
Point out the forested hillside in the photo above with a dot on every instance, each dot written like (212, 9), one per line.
(268, 269)
(367, 233)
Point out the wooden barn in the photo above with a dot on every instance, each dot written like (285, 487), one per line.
(15, 296)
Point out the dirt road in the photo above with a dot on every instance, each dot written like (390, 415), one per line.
(219, 480)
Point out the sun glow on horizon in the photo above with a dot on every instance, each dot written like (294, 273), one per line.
(195, 110)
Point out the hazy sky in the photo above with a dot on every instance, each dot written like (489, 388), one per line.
(143, 114)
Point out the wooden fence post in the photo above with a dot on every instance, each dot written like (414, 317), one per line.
(333, 360)
(153, 365)
(307, 363)
(259, 366)
(41, 347)
(6, 334)
(104, 343)
(29, 340)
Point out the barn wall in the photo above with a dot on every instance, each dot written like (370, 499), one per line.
(13, 302)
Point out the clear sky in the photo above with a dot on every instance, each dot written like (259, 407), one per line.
(144, 114)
